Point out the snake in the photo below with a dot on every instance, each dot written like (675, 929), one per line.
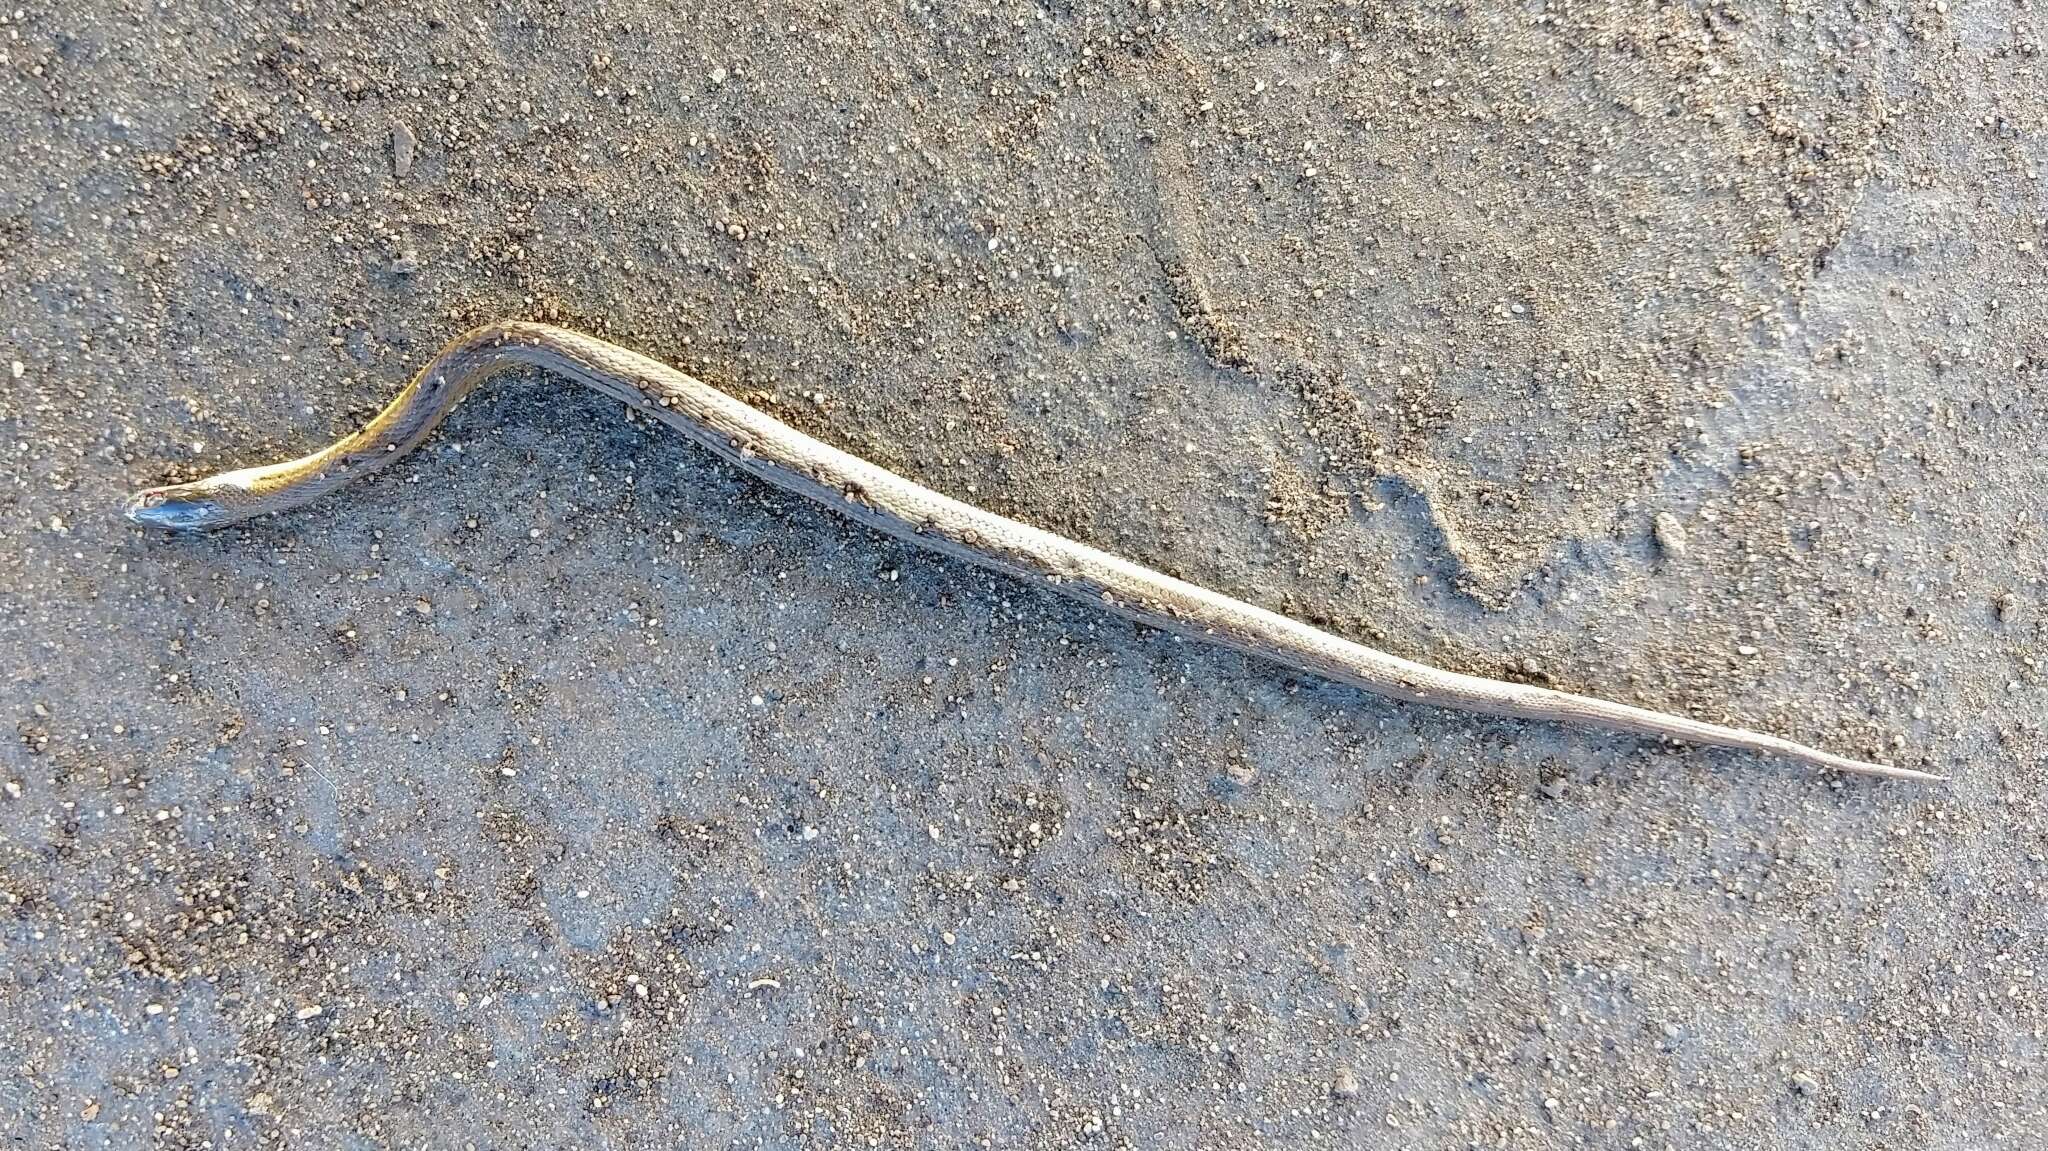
(764, 446)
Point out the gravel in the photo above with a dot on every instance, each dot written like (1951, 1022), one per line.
(647, 826)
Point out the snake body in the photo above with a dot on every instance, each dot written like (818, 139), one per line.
(772, 450)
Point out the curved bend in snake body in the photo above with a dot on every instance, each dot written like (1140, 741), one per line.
(772, 450)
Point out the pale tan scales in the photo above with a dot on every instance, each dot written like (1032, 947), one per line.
(766, 447)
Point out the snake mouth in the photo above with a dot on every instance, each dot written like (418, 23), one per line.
(142, 503)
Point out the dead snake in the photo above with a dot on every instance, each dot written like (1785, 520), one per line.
(774, 451)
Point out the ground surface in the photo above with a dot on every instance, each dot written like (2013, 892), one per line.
(561, 788)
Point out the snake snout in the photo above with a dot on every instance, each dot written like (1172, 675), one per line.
(177, 509)
(142, 503)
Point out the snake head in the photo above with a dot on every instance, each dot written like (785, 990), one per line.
(181, 508)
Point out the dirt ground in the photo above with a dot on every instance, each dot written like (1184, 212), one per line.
(560, 787)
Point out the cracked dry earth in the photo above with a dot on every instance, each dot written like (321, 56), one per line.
(559, 788)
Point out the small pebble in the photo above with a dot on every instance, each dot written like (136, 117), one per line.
(1344, 1085)
(1669, 534)
(404, 146)
(1241, 773)
(305, 1013)
(1805, 1084)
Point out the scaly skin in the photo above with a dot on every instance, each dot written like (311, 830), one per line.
(774, 451)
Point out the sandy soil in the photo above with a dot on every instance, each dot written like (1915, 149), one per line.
(560, 788)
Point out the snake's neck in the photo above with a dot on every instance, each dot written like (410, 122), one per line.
(408, 419)
(420, 407)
